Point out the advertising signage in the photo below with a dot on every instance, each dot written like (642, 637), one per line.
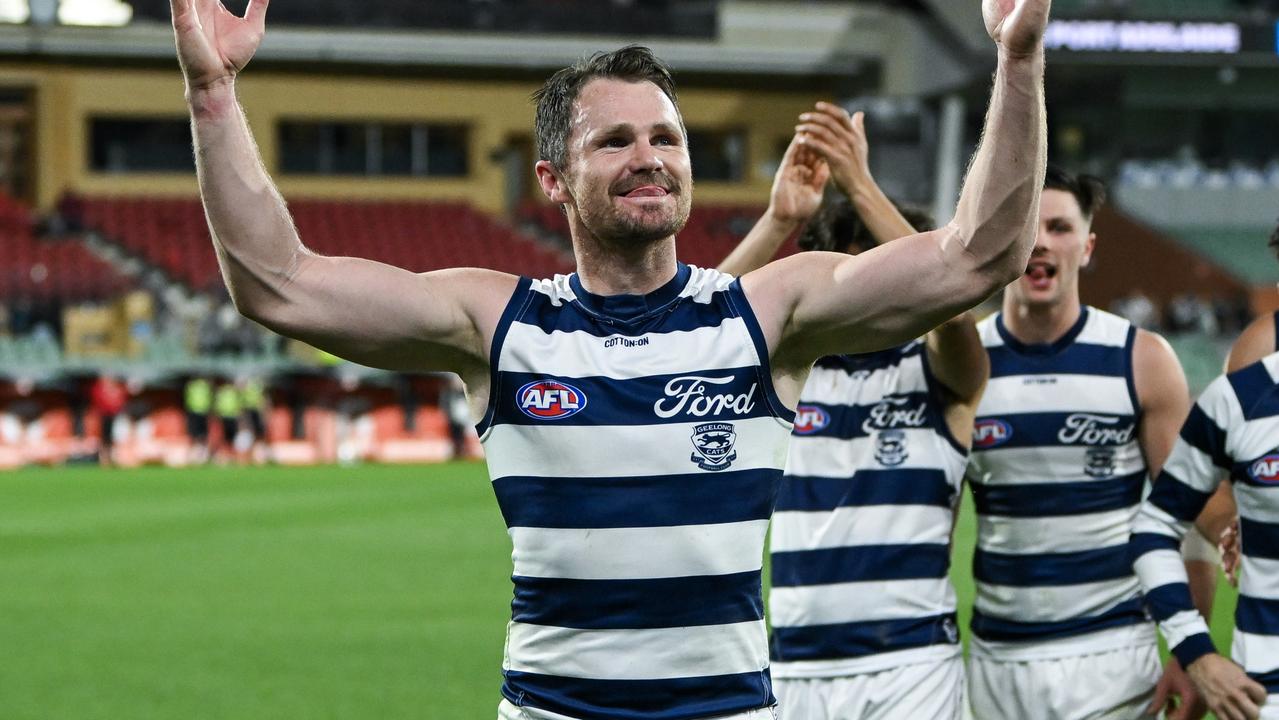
(1164, 37)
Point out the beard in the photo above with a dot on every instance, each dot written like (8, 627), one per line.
(637, 226)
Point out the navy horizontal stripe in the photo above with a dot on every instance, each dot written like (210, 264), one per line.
(1046, 569)
(1065, 429)
(650, 501)
(1205, 435)
(911, 486)
(1258, 616)
(1270, 680)
(1254, 388)
(1260, 539)
(681, 315)
(1128, 612)
(871, 361)
(1167, 600)
(671, 699)
(1141, 543)
(1078, 359)
(1058, 499)
(1193, 648)
(860, 639)
(638, 604)
(691, 397)
(1177, 498)
(861, 563)
(899, 411)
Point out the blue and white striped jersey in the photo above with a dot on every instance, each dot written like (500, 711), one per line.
(1234, 429)
(1057, 474)
(861, 537)
(635, 445)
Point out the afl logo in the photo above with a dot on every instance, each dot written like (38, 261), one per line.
(1266, 470)
(810, 419)
(550, 400)
(991, 433)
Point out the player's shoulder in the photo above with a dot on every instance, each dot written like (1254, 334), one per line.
(1255, 343)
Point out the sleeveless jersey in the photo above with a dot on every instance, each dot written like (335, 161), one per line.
(861, 537)
(635, 445)
(1057, 476)
(1234, 429)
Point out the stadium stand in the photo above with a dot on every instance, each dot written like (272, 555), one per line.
(41, 269)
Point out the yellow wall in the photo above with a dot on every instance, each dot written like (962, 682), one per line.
(66, 97)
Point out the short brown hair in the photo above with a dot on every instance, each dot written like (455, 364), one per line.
(836, 226)
(555, 99)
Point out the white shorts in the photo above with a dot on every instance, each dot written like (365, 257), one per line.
(1270, 711)
(507, 711)
(931, 690)
(1112, 685)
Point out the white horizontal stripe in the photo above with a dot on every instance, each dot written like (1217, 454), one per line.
(1100, 394)
(1102, 328)
(1042, 465)
(837, 387)
(1259, 504)
(832, 457)
(1067, 533)
(660, 654)
(1253, 438)
(863, 525)
(1160, 567)
(1257, 653)
(638, 553)
(1259, 577)
(1153, 519)
(1054, 602)
(1181, 626)
(624, 451)
(860, 602)
(1192, 466)
(528, 348)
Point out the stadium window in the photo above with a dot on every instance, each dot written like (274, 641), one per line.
(372, 149)
(718, 155)
(139, 145)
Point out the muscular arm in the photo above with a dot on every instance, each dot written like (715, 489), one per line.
(813, 304)
(366, 311)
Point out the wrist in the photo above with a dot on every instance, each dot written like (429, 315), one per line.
(1034, 58)
(777, 222)
(211, 98)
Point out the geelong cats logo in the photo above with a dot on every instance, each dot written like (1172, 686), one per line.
(713, 443)
(890, 448)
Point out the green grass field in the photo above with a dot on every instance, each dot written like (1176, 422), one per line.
(369, 592)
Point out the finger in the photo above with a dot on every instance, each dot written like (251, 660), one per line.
(838, 127)
(1255, 691)
(1159, 700)
(256, 12)
(835, 111)
(177, 7)
(821, 132)
(821, 147)
(859, 124)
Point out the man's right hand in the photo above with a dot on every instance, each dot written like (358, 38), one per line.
(1228, 691)
(213, 44)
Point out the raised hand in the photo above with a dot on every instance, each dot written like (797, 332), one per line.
(1017, 26)
(841, 141)
(798, 185)
(213, 44)
(1228, 691)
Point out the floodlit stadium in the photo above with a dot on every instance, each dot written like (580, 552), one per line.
(202, 517)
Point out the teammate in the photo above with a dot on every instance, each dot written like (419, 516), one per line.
(862, 608)
(1258, 339)
(1234, 429)
(634, 413)
(1079, 408)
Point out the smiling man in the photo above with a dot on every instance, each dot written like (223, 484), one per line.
(1081, 410)
(634, 413)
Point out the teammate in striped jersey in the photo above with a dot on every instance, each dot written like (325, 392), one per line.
(635, 412)
(1079, 406)
(1233, 430)
(862, 608)
(1258, 339)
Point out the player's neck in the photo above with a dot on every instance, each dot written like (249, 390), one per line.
(1038, 324)
(607, 269)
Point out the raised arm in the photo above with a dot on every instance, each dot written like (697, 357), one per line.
(358, 309)
(812, 305)
(796, 194)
